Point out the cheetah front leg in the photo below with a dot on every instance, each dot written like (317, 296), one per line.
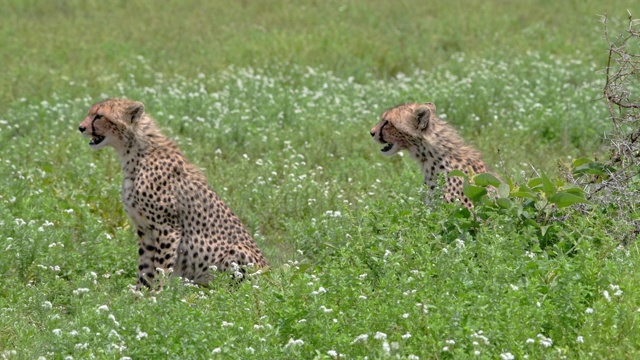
(158, 249)
(167, 244)
(146, 256)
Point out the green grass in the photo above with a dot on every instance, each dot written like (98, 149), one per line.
(275, 101)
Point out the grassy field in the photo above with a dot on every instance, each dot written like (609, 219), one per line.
(274, 100)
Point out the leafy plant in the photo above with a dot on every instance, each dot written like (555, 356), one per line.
(537, 203)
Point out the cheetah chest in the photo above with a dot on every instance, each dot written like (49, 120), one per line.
(130, 203)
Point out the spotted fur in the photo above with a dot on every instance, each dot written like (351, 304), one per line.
(181, 222)
(432, 142)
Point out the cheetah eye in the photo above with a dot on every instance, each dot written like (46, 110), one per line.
(98, 116)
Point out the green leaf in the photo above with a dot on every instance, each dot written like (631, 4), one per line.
(486, 179)
(592, 168)
(524, 192)
(485, 200)
(509, 181)
(541, 204)
(303, 267)
(462, 213)
(547, 186)
(534, 183)
(457, 173)
(572, 189)
(532, 223)
(474, 193)
(504, 203)
(581, 161)
(543, 229)
(504, 190)
(564, 199)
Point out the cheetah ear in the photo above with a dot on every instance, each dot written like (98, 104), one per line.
(135, 111)
(423, 115)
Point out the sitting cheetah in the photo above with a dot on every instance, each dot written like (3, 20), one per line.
(181, 222)
(430, 140)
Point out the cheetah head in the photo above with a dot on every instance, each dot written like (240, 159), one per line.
(403, 125)
(109, 120)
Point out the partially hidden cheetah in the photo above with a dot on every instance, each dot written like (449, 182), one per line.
(181, 222)
(432, 142)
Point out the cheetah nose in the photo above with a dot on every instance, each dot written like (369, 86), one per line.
(372, 133)
(82, 129)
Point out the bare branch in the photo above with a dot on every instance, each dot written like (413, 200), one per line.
(619, 187)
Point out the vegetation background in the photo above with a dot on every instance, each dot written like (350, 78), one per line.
(275, 101)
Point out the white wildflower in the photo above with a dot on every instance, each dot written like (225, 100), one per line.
(117, 347)
(605, 293)
(545, 341)
(480, 335)
(141, 335)
(386, 348)
(103, 308)
(616, 290)
(332, 353)
(589, 311)
(321, 290)
(57, 332)
(113, 318)
(293, 342)
(580, 339)
(80, 291)
(115, 334)
(406, 336)
(507, 356)
(380, 336)
(360, 338)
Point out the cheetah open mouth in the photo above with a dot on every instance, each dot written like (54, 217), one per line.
(96, 139)
(387, 148)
